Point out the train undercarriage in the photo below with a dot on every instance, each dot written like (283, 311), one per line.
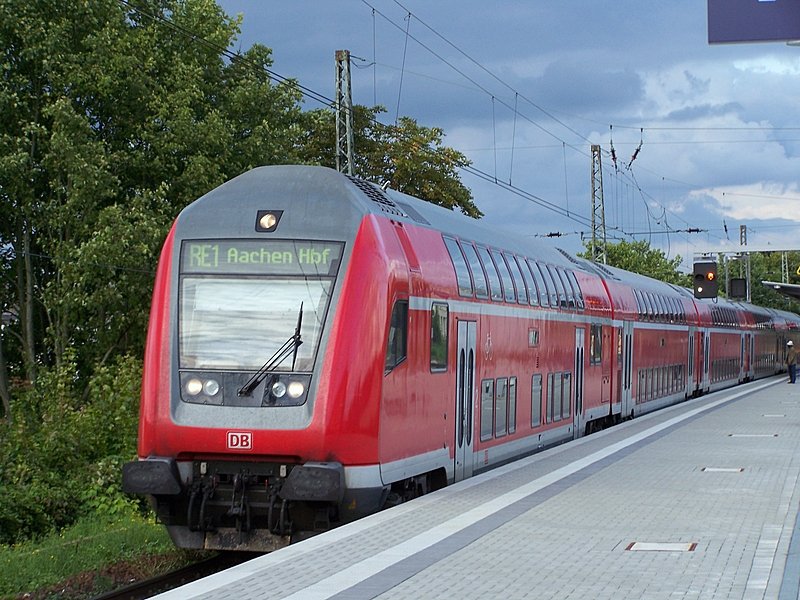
(260, 507)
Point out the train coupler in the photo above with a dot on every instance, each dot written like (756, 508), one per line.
(240, 507)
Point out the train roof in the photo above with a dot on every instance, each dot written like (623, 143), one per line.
(351, 196)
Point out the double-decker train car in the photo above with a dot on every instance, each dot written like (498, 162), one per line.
(320, 348)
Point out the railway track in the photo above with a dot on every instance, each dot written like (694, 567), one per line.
(162, 583)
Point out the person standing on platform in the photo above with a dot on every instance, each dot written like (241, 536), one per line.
(791, 361)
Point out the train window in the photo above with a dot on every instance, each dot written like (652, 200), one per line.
(495, 288)
(512, 404)
(533, 293)
(536, 400)
(544, 294)
(478, 275)
(501, 407)
(460, 265)
(557, 397)
(567, 287)
(660, 312)
(398, 336)
(505, 275)
(487, 408)
(561, 294)
(439, 329)
(639, 304)
(650, 305)
(577, 288)
(596, 345)
(235, 323)
(550, 386)
(516, 275)
(566, 395)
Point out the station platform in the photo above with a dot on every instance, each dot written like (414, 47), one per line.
(699, 500)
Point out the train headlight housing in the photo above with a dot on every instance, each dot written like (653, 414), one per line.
(194, 386)
(211, 387)
(286, 389)
(202, 388)
(278, 389)
(296, 389)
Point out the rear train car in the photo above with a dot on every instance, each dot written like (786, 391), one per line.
(320, 349)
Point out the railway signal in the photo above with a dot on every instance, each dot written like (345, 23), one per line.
(705, 279)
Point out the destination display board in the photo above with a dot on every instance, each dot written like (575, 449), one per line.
(731, 21)
(262, 257)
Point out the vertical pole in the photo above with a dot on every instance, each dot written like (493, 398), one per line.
(344, 114)
(743, 242)
(598, 209)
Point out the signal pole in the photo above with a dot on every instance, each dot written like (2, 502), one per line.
(344, 114)
(598, 208)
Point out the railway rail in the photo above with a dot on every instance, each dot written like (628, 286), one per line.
(167, 581)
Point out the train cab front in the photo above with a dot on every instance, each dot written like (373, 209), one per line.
(232, 433)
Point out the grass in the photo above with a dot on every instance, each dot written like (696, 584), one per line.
(97, 547)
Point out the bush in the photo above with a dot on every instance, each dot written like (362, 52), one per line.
(68, 463)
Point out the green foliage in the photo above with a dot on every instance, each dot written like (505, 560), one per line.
(87, 546)
(639, 257)
(112, 122)
(765, 266)
(409, 156)
(68, 463)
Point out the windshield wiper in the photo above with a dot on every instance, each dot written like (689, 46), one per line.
(290, 346)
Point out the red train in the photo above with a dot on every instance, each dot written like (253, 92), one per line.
(320, 348)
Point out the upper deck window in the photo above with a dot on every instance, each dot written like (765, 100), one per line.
(533, 293)
(491, 272)
(541, 283)
(505, 276)
(478, 275)
(460, 265)
(516, 274)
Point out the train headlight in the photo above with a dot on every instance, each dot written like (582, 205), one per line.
(194, 387)
(267, 221)
(296, 389)
(211, 387)
(279, 389)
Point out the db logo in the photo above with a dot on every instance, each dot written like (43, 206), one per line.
(240, 440)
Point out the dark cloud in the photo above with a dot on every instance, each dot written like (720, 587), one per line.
(704, 111)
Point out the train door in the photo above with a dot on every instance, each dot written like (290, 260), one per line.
(465, 395)
(706, 340)
(752, 370)
(627, 370)
(690, 386)
(577, 415)
(743, 359)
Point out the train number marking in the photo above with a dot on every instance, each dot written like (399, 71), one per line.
(240, 440)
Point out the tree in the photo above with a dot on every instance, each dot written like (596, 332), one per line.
(409, 157)
(639, 257)
(113, 121)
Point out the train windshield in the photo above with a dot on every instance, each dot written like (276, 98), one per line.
(240, 301)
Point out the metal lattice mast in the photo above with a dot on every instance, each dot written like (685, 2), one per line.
(598, 243)
(344, 114)
(743, 242)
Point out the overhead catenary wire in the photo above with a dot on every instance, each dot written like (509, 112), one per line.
(328, 102)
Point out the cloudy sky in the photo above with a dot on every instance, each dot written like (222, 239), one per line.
(525, 87)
